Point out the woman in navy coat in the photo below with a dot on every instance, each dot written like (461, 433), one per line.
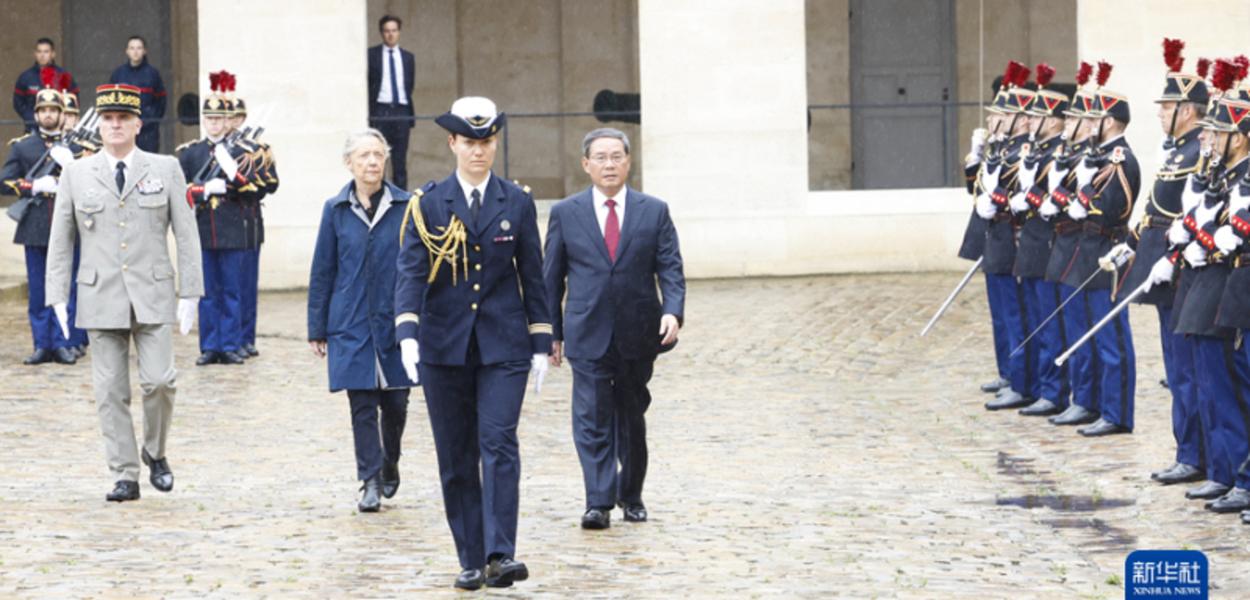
(350, 311)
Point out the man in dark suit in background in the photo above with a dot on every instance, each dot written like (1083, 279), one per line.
(611, 247)
(391, 71)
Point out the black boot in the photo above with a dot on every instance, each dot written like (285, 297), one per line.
(371, 500)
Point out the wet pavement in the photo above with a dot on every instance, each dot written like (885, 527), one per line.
(804, 442)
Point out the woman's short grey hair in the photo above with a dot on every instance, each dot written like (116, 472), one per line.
(603, 132)
(356, 139)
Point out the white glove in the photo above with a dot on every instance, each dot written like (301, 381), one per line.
(1055, 178)
(989, 178)
(1048, 209)
(1115, 257)
(1204, 214)
(1177, 234)
(228, 164)
(1239, 200)
(1077, 211)
(43, 185)
(409, 357)
(62, 317)
(1161, 273)
(1019, 203)
(187, 308)
(62, 155)
(215, 187)
(1191, 197)
(1026, 176)
(1226, 240)
(539, 368)
(985, 207)
(979, 137)
(1085, 174)
(1195, 254)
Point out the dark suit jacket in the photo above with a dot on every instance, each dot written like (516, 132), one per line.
(618, 303)
(375, 76)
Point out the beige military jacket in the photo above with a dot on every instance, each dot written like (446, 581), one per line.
(125, 261)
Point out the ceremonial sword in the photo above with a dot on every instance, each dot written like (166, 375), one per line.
(1119, 261)
(1141, 289)
(951, 298)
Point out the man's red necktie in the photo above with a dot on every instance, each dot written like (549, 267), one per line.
(611, 229)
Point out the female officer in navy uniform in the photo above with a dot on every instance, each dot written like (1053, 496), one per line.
(469, 295)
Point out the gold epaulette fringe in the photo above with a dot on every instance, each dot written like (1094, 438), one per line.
(445, 246)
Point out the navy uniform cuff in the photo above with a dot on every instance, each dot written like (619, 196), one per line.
(406, 326)
(540, 338)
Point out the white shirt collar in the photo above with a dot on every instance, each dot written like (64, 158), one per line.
(601, 198)
(1111, 141)
(129, 159)
(468, 189)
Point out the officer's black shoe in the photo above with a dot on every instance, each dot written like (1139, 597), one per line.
(1164, 382)
(1245, 517)
(1236, 500)
(80, 350)
(123, 491)
(370, 500)
(1041, 408)
(161, 477)
(1006, 399)
(390, 478)
(38, 357)
(1103, 427)
(1178, 473)
(501, 572)
(64, 356)
(993, 386)
(1075, 415)
(208, 358)
(470, 579)
(229, 358)
(250, 350)
(634, 513)
(1207, 491)
(596, 518)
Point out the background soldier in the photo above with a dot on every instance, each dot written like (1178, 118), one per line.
(470, 296)
(30, 81)
(137, 71)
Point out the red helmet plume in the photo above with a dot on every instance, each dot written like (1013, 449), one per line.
(1045, 73)
(1223, 74)
(1104, 72)
(1083, 72)
(47, 76)
(1204, 66)
(1172, 54)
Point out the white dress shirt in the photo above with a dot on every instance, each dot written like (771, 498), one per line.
(384, 91)
(601, 208)
(129, 159)
(467, 188)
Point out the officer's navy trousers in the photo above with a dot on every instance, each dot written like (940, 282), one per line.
(998, 324)
(1051, 380)
(1083, 364)
(610, 401)
(44, 330)
(1223, 376)
(474, 411)
(1178, 364)
(1007, 300)
(250, 294)
(221, 308)
(1117, 364)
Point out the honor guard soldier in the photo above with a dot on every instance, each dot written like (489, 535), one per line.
(218, 189)
(1220, 368)
(30, 81)
(1036, 233)
(470, 296)
(31, 172)
(1181, 108)
(264, 177)
(998, 182)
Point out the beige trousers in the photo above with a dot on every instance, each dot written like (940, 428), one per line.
(110, 374)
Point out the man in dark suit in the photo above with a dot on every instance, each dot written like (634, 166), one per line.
(391, 71)
(611, 247)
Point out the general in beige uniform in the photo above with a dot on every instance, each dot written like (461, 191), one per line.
(119, 205)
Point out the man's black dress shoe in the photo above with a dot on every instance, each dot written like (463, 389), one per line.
(1236, 500)
(64, 356)
(229, 358)
(207, 358)
(162, 478)
(370, 500)
(250, 350)
(634, 513)
(1207, 491)
(994, 386)
(1245, 517)
(1075, 415)
(1164, 383)
(124, 490)
(390, 478)
(1103, 427)
(1178, 473)
(501, 572)
(79, 350)
(38, 357)
(1008, 399)
(1041, 408)
(470, 579)
(596, 518)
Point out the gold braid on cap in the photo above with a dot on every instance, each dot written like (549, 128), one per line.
(442, 247)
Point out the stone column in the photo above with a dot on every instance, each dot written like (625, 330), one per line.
(301, 69)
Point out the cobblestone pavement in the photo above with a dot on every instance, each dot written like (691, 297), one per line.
(804, 443)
